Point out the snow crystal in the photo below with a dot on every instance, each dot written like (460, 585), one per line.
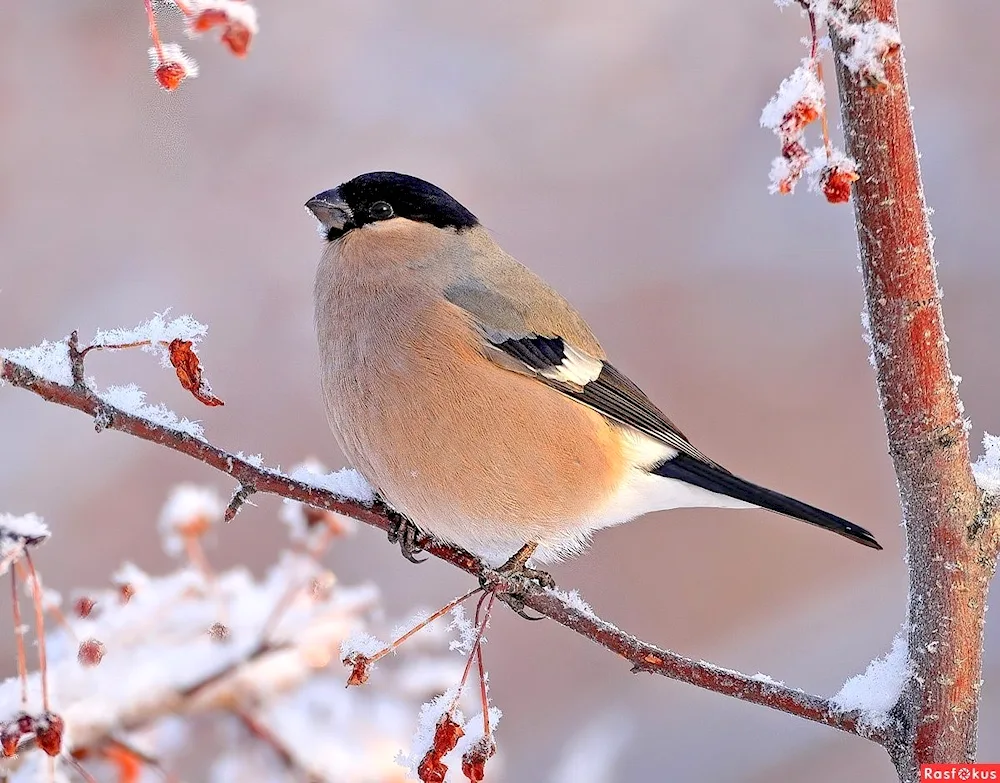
(419, 617)
(875, 693)
(361, 643)
(16, 533)
(872, 41)
(801, 86)
(257, 460)
(466, 632)
(423, 736)
(879, 348)
(573, 600)
(781, 171)
(131, 399)
(986, 469)
(48, 360)
(347, 483)
(158, 331)
(766, 680)
(188, 507)
(292, 513)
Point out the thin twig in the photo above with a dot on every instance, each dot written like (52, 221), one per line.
(22, 656)
(43, 666)
(240, 497)
(643, 656)
(153, 32)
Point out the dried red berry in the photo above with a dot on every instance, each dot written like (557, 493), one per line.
(219, 632)
(237, 38)
(432, 768)
(125, 592)
(836, 183)
(83, 606)
(205, 20)
(360, 666)
(10, 737)
(475, 758)
(170, 75)
(90, 652)
(48, 733)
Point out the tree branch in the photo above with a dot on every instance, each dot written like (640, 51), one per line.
(643, 656)
(952, 539)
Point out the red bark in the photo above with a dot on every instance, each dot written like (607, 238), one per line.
(951, 543)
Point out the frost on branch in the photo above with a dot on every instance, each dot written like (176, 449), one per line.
(874, 693)
(172, 340)
(152, 336)
(307, 524)
(134, 655)
(871, 40)
(132, 400)
(347, 482)
(48, 360)
(986, 469)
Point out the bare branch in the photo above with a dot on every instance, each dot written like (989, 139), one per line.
(643, 656)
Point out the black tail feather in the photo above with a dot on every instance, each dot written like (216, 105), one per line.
(686, 468)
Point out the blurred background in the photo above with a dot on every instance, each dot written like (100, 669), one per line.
(615, 149)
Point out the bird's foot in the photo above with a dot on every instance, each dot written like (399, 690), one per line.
(409, 537)
(519, 580)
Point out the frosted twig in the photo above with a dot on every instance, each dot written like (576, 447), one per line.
(952, 530)
(643, 656)
(240, 497)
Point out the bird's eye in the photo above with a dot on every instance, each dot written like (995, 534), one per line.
(380, 210)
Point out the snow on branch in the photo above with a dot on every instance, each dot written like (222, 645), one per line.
(801, 100)
(348, 496)
(876, 692)
(196, 643)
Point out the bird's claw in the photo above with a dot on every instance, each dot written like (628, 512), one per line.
(520, 582)
(403, 532)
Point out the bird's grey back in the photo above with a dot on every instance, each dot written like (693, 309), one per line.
(515, 303)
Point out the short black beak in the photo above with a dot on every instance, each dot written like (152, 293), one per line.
(332, 212)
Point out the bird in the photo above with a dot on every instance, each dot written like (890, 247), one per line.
(477, 401)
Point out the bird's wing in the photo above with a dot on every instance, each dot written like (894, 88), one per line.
(532, 343)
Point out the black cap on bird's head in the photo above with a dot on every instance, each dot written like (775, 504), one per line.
(383, 195)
